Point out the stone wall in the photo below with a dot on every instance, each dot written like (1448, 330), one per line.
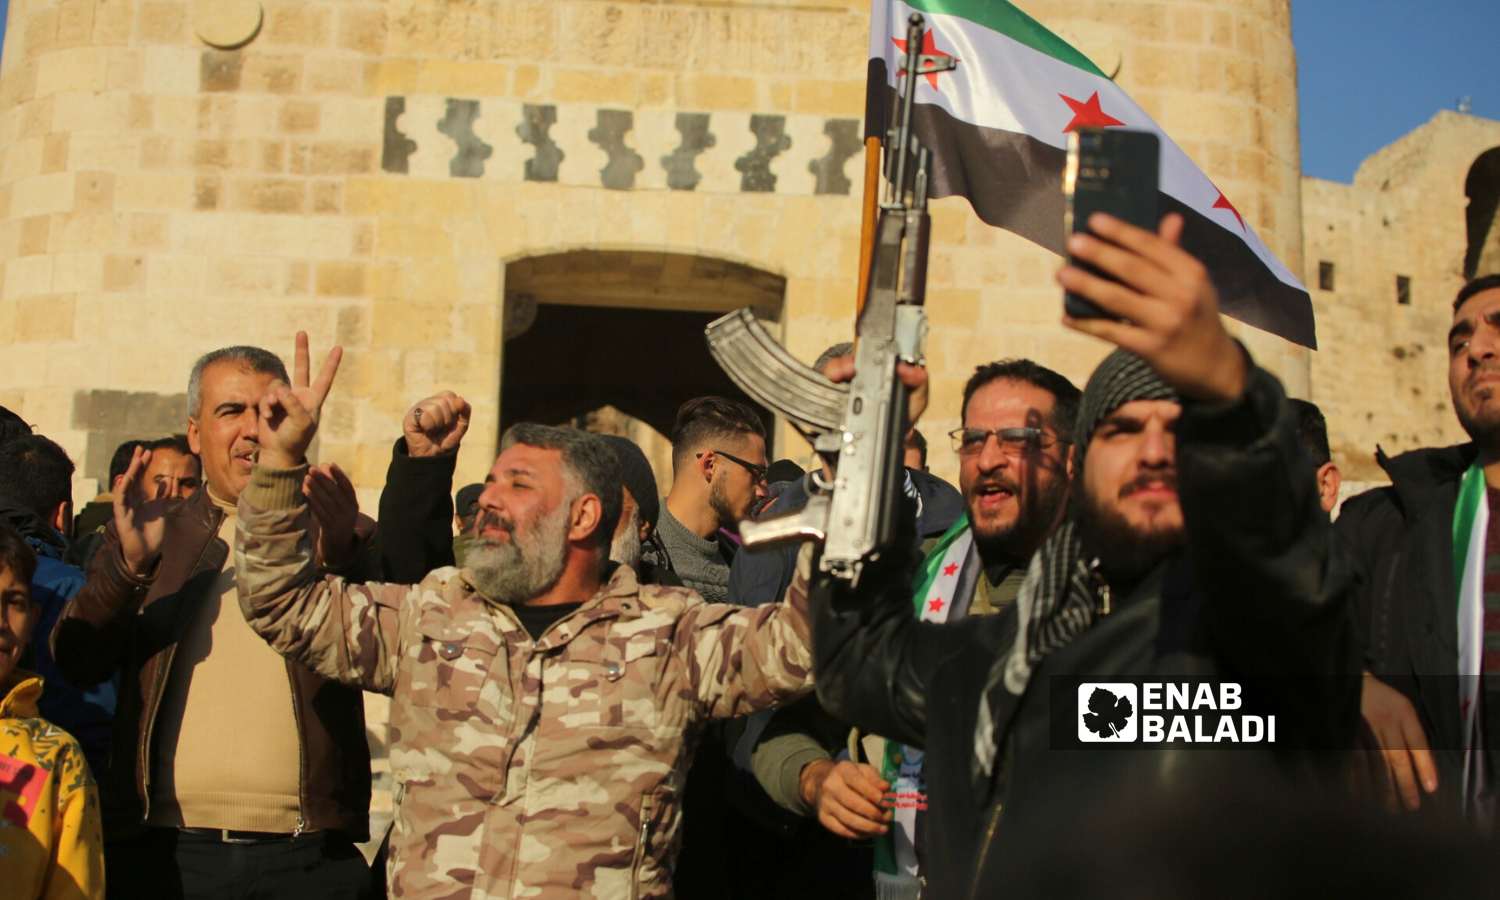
(367, 169)
(1381, 372)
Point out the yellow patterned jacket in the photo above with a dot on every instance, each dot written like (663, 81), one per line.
(50, 841)
(547, 768)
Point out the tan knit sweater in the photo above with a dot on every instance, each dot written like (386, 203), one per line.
(227, 753)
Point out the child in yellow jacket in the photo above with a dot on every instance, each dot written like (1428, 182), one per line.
(50, 841)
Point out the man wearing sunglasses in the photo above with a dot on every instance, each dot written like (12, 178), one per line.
(718, 473)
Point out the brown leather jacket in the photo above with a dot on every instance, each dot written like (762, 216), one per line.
(120, 623)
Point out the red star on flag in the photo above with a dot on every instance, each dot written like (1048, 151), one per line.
(1088, 114)
(935, 604)
(1223, 203)
(950, 570)
(929, 48)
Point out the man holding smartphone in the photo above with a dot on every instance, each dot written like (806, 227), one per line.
(1196, 546)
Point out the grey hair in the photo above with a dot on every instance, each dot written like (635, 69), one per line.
(832, 353)
(257, 360)
(589, 464)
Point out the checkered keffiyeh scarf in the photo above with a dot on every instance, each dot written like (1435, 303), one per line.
(1059, 599)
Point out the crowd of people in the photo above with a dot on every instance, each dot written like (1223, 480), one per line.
(597, 691)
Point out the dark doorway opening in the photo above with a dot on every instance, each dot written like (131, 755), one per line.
(574, 360)
(1482, 187)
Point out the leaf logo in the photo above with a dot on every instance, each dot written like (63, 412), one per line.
(1107, 713)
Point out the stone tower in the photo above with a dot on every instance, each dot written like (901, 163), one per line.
(536, 203)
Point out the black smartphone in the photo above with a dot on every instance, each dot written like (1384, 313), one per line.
(1110, 170)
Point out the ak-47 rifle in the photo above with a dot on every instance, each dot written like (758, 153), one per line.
(857, 429)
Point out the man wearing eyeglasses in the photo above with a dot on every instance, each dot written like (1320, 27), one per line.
(1013, 451)
(718, 472)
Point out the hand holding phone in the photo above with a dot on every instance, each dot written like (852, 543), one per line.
(1115, 171)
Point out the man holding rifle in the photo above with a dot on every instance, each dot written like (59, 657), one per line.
(1195, 548)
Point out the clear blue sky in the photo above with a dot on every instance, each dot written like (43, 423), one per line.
(1369, 71)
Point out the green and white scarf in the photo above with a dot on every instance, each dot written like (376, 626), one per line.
(952, 561)
(1471, 519)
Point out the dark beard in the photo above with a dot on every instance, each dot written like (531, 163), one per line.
(1014, 546)
(719, 503)
(1125, 554)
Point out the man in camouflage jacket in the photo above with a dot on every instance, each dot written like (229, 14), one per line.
(544, 766)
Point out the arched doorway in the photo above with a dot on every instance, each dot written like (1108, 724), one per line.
(1482, 187)
(613, 339)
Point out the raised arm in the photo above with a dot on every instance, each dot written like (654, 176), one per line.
(744, 659)
(416, 505)
(348, 633)
(875, 661)
(1256, 535)
(92, 633)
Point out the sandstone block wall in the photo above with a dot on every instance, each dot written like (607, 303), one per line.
(1381, 374)
(367, 170)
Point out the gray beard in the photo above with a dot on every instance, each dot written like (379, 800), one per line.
(524, 568)
(625, 549)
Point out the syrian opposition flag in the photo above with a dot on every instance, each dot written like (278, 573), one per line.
(998, 125)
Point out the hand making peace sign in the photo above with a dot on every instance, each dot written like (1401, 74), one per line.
(289, 414)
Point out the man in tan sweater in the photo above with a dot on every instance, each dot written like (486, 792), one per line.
(233, 771)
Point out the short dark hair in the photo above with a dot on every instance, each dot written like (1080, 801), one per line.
(1475, 286)
(587, 459)
(843, 348)
(15, 554)
(121, 460)
(36, 473)
(466, 503)
(254, 358)
(1312, 430)
(1065, 395)
(177, 443)
(916, 439)
(704, 419)
(12, 426)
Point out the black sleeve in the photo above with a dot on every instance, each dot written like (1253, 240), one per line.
(1369, 527)
(875, 662)
(1262, 551)
(416, 515)
(761, 575)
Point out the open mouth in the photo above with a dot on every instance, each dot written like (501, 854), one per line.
(992, 495)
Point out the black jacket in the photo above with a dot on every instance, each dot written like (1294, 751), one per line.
(1402, 537)
(416, 515)
(1259, 591)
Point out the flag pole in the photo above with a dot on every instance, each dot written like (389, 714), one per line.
(867, 220)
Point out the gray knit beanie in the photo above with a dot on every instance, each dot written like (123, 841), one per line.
(1121, 378)
(636, 475)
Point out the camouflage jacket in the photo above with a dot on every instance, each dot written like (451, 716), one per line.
(548, 768)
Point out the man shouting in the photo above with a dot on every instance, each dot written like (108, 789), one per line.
(1196, 548)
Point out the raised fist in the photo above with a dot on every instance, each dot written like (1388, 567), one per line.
(436, 426)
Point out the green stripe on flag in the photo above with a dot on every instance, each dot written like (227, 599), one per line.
(1471, 493)
(927, 574)
(997, 15)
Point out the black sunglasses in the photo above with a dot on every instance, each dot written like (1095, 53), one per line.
(756, 472)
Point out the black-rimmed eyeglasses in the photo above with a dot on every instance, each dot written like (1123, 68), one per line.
(756, 472)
